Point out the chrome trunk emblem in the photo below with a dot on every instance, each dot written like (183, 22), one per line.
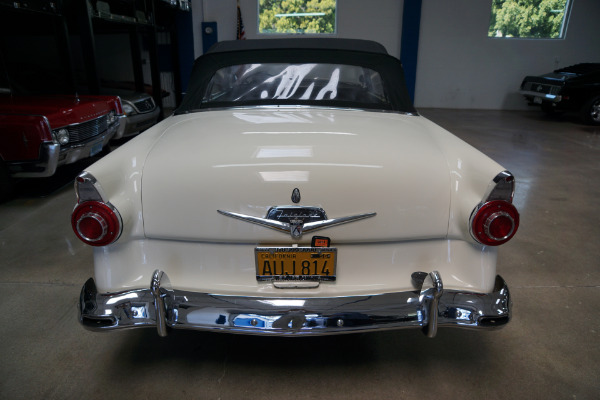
(288, 213)
(296, 220)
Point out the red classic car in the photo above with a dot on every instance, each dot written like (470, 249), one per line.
(40, 133)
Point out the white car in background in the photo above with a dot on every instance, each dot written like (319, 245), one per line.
(295, 191)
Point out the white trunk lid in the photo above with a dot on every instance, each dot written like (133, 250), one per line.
(247, 161)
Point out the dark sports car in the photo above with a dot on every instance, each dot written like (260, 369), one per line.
(575, 89)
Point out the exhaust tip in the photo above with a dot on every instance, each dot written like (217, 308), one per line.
(98, 322)
(493, 322)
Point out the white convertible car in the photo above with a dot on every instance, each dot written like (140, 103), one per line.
(295, 191)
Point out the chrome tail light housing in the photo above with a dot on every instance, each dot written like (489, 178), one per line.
(95, 221)
(495, 220)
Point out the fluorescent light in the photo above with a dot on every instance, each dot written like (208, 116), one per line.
(300, 15)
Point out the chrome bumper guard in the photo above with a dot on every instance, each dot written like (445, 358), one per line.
(427, 307)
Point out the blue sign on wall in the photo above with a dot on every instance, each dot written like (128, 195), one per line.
(209, 35)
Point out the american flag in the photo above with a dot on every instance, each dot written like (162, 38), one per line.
(241, 33)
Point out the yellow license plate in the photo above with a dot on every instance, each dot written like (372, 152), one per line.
(295, 263)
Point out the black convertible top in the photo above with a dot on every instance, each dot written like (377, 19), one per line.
(367, 46)
(354, 52)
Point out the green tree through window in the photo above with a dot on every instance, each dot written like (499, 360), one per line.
(296, 16)
(541, 19)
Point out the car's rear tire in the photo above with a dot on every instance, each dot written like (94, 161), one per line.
(6, 183)
(591, 111)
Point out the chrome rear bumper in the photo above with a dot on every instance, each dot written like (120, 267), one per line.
(427, 307)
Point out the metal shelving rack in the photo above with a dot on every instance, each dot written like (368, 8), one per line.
(140, 20)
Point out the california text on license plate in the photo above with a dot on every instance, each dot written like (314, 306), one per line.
(295, 263)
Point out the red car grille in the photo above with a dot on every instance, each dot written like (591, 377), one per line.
(87, 130)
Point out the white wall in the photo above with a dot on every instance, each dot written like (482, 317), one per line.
(460, 67)
(379, 20)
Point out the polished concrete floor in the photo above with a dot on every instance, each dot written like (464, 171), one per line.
(550, 350)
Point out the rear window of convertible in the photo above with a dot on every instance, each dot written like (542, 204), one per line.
(302, 83)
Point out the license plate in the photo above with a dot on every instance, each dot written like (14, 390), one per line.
(97, 148)
(537, 100)
(295, 263)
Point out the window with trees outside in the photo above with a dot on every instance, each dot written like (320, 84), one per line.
(532, 19)
(296, 16)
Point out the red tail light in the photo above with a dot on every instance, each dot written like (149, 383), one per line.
(495, 223)
(96, 223)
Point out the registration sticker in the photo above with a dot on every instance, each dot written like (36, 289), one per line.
(296, 263)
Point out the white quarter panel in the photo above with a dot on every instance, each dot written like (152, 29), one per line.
(248, 160)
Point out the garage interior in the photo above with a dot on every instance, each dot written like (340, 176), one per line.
(467, 83)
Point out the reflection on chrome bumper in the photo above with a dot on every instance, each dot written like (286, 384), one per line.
(428, 307)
